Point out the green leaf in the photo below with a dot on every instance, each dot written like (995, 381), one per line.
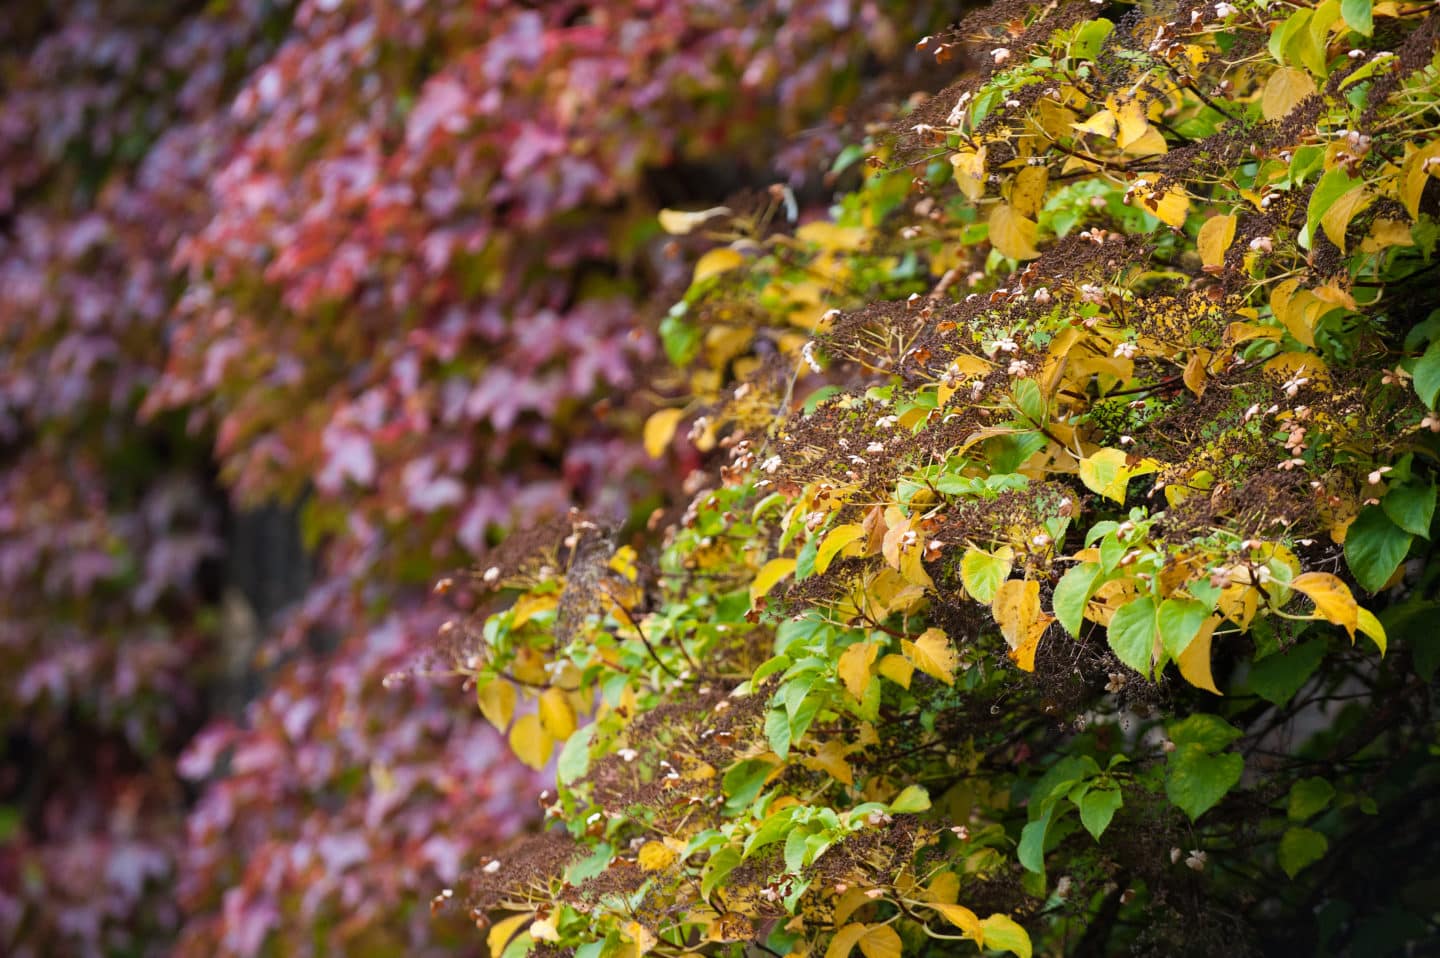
(1374, 548)
(1308, 797)
(1132, 633)
(1097, 807)
(1031, 851)
(1180, 621)
(1333, 185)
(718, 868)
(680, 339)
(744, 781)
(1411, 507)
(1276, 678)
(1196, 780)
(1358, 16)
(1071, 594)
(805, 561)
(1208, 732)
(1300, 847)
(574, 760)
(1427, 374)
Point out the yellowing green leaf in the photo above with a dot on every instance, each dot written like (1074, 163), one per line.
(715, 262)
(1131, 122)
(497, 702)
(1286, 87)
(656, 855)
(1216, 235)
(1101, 124)
(1004, 933)
(1016, 607)
(557, 715)
(660, 429)
(771, 573)
(1012, 234)
(832, 236)
(854, 666)
(1108, 472)
(835, 540)
(933, 654)
(530, 742)
(1332, 597)
(982, 572)
(679, 222)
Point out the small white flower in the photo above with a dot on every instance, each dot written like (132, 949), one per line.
(1262, 244)
(1042, 296)
(492, 575)
(1126, 350)
(1196, 860)
(1378, 474)
(628, 754)
(1018, 367)
(1223, 10)
(492, 868)
(771, 464)
(999, 55)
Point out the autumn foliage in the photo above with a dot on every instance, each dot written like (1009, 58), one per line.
(383, 260)
(1061, 580)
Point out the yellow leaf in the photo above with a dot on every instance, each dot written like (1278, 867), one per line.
(1028, 193)
(1197, 369)
(530, 742)
(1152, 143)
(1415, 172)
(944, 889)
(1367, 623)
(1338, 216)
(1016, 607)
(966, 920)
(497, 702)
(771, 573)
(970, 173)
(1332, 597)
(1215, 238)
(1194, 660)
(502, 931)
(845, 940)
(1131, 122)
(831, 236)
(1012, 234)
(854, 666)
(933, 654)
(1101, 124)
(660, 429)
(836, 540)
(557, 715)
(642, 938)
(830, 759)
(715, 262)
(679, 222)
(853, 899)
(544, 930)
(880, 941)
(1286, 87)
(897, 669)
(1023, 655)
(1169, 207)
(1385, 233)
(1107, 472)
(656, 855)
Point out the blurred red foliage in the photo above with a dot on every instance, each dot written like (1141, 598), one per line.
(386, 255)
